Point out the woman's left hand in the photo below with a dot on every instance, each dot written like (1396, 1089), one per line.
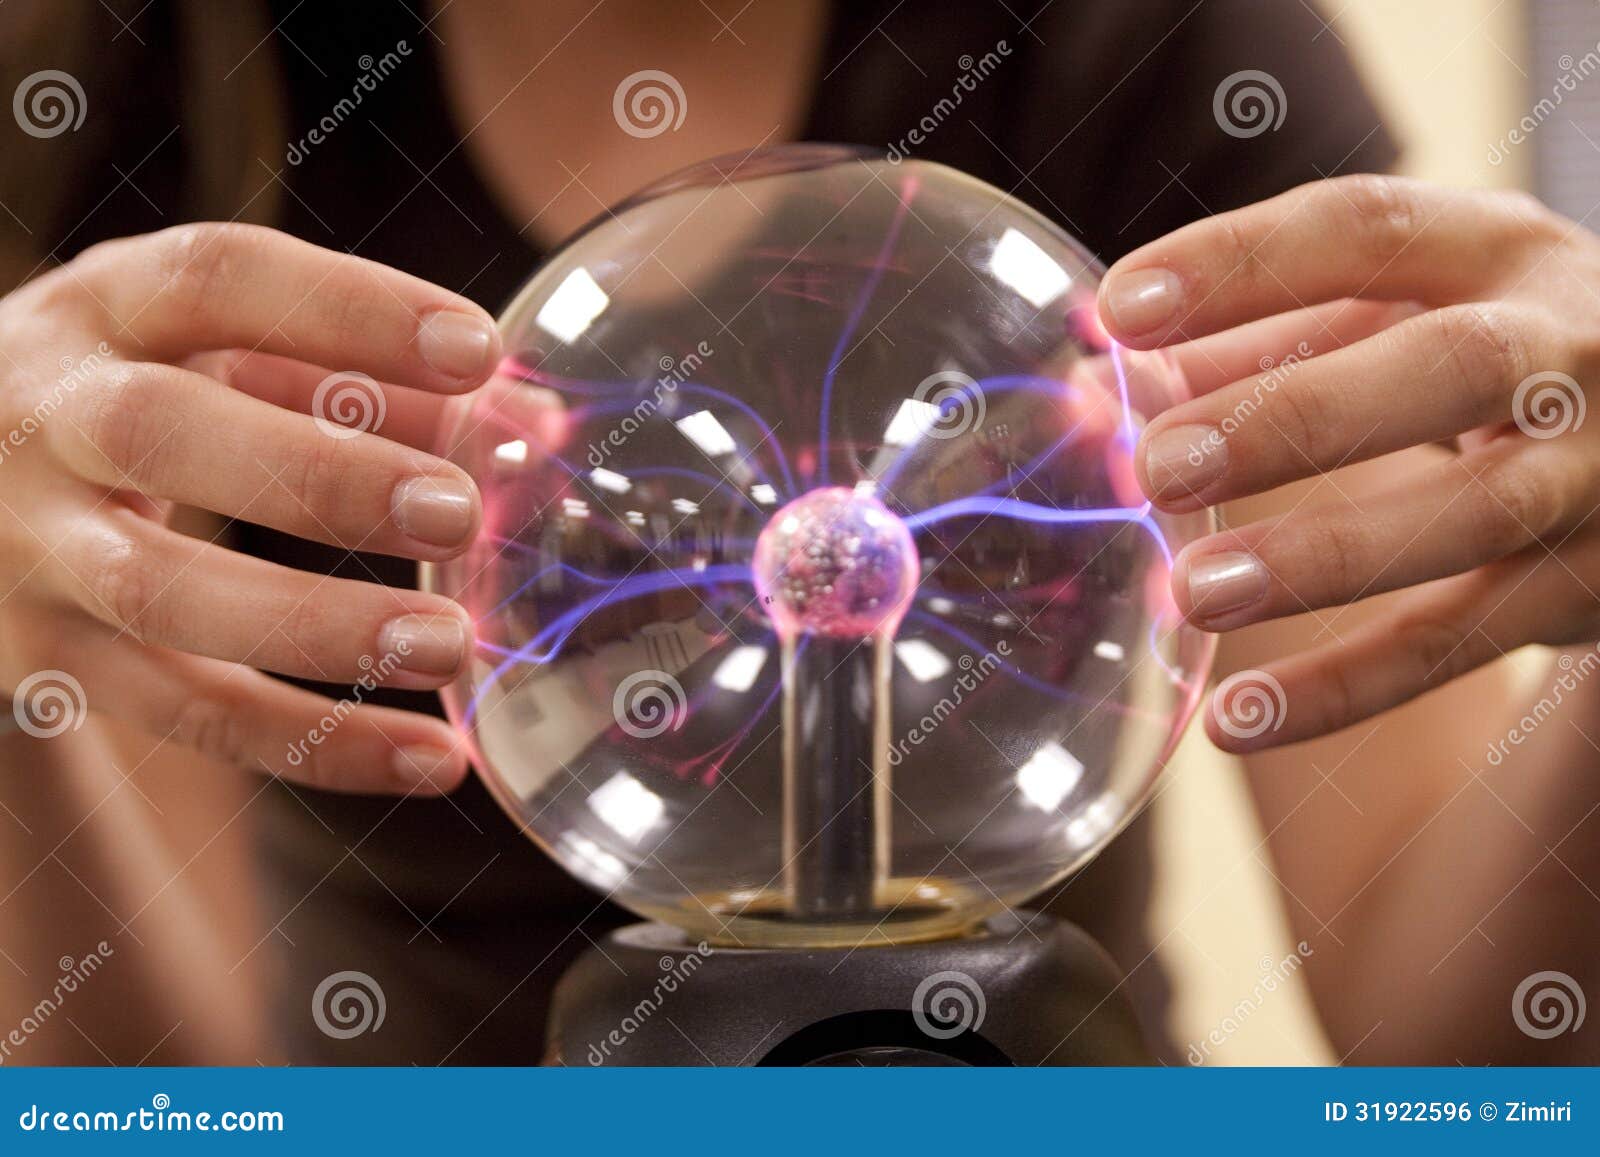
(1418, 315)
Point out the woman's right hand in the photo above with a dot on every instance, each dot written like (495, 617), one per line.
(200, 366)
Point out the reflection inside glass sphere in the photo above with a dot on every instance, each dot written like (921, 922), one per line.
(817, 602)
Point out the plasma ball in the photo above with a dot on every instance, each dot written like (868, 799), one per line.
(835, 563)
(796, 544)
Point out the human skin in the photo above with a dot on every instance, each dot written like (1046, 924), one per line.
(1429, 884)
(173, 632)
(1393, 533)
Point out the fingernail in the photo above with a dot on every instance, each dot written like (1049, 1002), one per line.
(1183, 460)
(421, 764)
(1225, 582)
(1141, 300)
(426, 644)
(438, 511)
(455, 343)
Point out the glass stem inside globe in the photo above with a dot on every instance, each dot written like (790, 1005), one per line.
(836, 775)
(836, 570)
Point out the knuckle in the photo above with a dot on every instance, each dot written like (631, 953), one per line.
(348, 312)
(1528, 216)
(305, 631)
(215, 728)
(101, 253)
(1241, 264)
(1339, 548)
(1485, 350)
(1515, 505)
(1385, 212)
(315, 765)
(60, 295)
(1336, 697)
(123, 417)
(1440, 649)
(1301, 415)
(202, 265)
(323, 474)
(124, 588)
(96, 262)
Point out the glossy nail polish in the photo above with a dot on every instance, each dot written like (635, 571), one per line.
(1221, 584)
(438, 511)
(425, 644)
(456, 344)
(1142, 300)
(1182, 461)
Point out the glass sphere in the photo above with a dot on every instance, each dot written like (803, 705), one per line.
(816, 600)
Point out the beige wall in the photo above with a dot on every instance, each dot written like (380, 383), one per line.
(1448, 76)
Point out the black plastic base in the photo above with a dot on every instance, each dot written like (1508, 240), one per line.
(1015, 993)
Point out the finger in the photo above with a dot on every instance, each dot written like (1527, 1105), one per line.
(506, 407)
(250, 720)
(1456, 514)
(410, 417)
(1428, 378)
(167, 590)
(1432, 636)
(211, 286)
(1365, 236)
(177, 435)
(1221, 359)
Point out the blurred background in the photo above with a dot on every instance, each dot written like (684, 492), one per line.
(1454, 78)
